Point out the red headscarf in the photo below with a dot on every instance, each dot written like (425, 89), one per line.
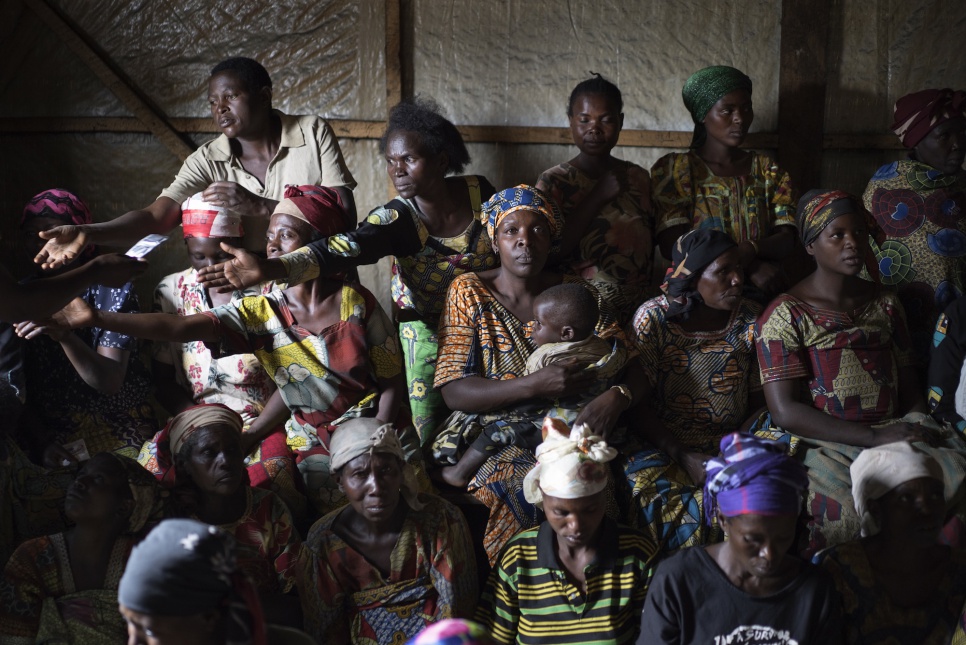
(319, 206)
(918, 113)
(201, 219)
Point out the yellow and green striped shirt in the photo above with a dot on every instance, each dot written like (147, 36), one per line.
(529, 600)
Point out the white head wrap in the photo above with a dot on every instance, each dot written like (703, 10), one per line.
(366, 436)
(876, 471)
(570, 463)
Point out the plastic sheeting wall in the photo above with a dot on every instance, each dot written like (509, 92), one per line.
(509, 62)
(878, 52)
(325, 58)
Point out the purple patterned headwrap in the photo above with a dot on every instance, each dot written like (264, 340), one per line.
(753, 477)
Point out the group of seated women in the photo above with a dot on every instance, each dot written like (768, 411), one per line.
(637, 450)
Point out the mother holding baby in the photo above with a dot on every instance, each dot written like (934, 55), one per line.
(485, 338)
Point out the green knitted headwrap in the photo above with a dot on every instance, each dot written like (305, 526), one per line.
(704, 88)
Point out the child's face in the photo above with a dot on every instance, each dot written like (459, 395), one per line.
(546, 329)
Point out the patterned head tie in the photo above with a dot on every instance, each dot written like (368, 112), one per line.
(820, 207)
(201, 219)
(319, 206)
(519, 198)
(876, 471)
(63, 206)
(366, 436)
(704, 88)
(753, 477)
(691, 254)
(184, 567)
(570, 463)
(917, 114)
(181, 427)
(58, 204)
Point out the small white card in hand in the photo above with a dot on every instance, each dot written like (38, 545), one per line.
(146, 245)
(78, 450)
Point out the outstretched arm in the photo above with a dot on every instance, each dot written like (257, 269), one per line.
(384, 232)
(103, 368)
(64, 243)
(41, 298)
(169, 327)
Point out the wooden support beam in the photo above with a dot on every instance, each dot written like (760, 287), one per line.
(114, 79)
(343, 128)
(351, 129)
(393, 54)
(802, 80)
(393, 68)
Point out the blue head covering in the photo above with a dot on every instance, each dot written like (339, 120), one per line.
(522, 197)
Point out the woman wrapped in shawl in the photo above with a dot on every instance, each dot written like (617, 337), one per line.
(485, 341)
(920, 205)
(391, 562)
(898, 583)
(754, 491)
(63, 587)
(200, 457)
(696, 346)
(327, 343)
(838, 370)
(86, 388)
(719, 185)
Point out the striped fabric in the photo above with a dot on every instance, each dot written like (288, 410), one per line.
(528, 598)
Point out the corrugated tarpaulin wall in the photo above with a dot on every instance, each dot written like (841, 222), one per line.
(509, 63)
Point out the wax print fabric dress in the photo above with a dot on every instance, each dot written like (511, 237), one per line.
(39, 601)
(267, 544)
(923, 215)
(747, 207)
(432, 576)
(324, 378)
(480, 337)
(700, 382)
(616, 251)
(849, 367)
(422, 269)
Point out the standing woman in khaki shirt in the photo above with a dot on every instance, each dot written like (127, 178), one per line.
(246, 169)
